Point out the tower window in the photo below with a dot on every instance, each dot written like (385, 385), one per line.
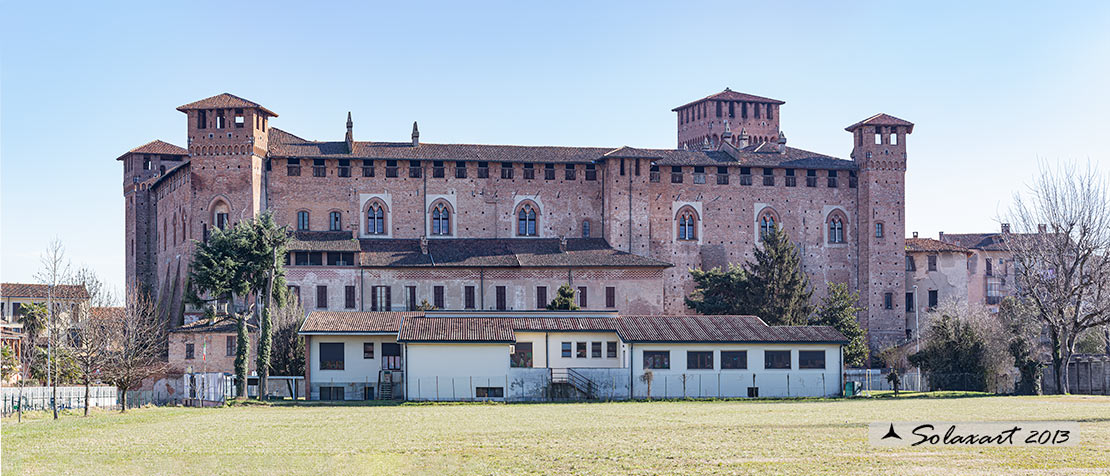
(676, 174)
(318, 168)
(585, 228)
(719, 108)
(591, 172)
(367, 168)
(344, 168)
(888, 301)
(293, 168)
(832, 179)
(460, 169)
(220, 124)
(506, 170)
(770, 111)
(202, 119)
(146, 162)
(549, 171)
(743, 110)
(766, 224)
(731, 109)
(335, 221)
(755, 109)
(653, 173)
(879, 230)
(483, 169)
(893, 136)
(768, 177)
(570, 172)
(836, 230)
(529, 172)
(302, 220)
(811, 178)
(391, 169)
(414, 169)
(878, 135)
(437, 169)
(791, 180)
(240, 121)
(745, 175)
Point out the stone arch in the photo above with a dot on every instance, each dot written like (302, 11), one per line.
(766, 221)
(441, 218)
(836, 227)
(526, 215)
(375, 217)
(687, 224)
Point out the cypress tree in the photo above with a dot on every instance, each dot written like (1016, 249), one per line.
(778, 289)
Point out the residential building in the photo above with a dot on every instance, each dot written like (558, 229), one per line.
(990, 266)
(936, 272)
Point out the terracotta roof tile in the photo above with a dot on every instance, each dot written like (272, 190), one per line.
(730, 95)
(285, 145)
(457, 329)
(64, 291)
(929, 244)
(881, 119)
(492, 252)
(356, 321)
(156, 147)
(723, 328)
(322, 241)
(217, 325)
(224, 101)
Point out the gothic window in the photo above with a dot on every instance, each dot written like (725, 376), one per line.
(768, 221)
(879, 230)
(687, 225)
(441, 219)
(302, 220)
(526, 220)
(220, 214)
(375, 219)
(585, 228)
(335, 221)
(836, 230)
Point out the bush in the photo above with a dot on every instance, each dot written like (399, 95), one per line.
(966, 348)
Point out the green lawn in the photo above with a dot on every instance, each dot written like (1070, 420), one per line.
(723, 437)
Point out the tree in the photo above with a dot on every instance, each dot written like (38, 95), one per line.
(952, 355)
(1024, 331)
(720, 291)
(34, 325)
(55, 271)
(89, 347)
(425, 306)
(564, 300)
(220, 269)
(1061, 251)
(838, 310)
(773, 287)
(288, 356)
(136, 343)
(895, 359)
(267, 242)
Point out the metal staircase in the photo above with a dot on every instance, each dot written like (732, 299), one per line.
(385, 385)
(582, 385)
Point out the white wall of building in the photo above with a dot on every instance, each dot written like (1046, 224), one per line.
(678, 381)
(357, 372)
(547, 349)
(452, 371)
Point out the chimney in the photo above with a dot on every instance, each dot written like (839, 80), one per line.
(415, 135)
(423, 245)
(782, 142)
(350, 134)
(705, 144)
(1005, 228)
(1041, 228)
(562, 244)
(726, 136)
(940, 236)
(915, 234)
(743, 138)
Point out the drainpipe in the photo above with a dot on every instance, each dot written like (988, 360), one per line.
(631, 379)
(405, 375)
(361, 290)
(630, 208)
(482, 288)
(546, 351)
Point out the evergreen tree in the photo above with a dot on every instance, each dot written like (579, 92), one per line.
(721, 291)
(267, 243)
(564, 300)
(778, 288)
(219, 269)
(954, 356)
(838, 309)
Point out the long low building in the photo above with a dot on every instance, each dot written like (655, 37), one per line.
(545, 355)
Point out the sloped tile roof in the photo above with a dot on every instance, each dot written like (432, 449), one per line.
(224, 101)
(566, 323)
(216, 325)
(977, 241)
(106, 313)
(723, 328)
(322, 241)
(492, 252)
(155, 147)
(457, 329)
(356, 321)
(730, 95)
(929, 244)
(63, 291)
(881, 119)
(285, 145)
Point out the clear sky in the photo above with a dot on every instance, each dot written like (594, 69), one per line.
(993, 87)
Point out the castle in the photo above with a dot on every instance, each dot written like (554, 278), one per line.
(387, 225)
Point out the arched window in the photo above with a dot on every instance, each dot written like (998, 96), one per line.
(335, 221)
(220, 212)
(687, 225)
(441, 219)
(302, 220)
(585, 228)
(836, 230)
(527, 223)
(768, 222)
(375, 219)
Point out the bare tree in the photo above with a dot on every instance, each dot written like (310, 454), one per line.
(100, 293)
(34, 325)
(90, 344)
(55, 270)
(136, 343)
(1061, 250)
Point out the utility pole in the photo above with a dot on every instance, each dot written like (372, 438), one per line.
(917, 332)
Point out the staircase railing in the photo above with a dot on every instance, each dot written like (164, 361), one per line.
(575, 379)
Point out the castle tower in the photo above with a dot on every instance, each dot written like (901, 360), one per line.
(708, 119)
(228, 139)
(880, 152)
(140, 165)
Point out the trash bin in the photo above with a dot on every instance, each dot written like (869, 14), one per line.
(849, 389)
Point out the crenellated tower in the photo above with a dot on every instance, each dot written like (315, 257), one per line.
(880, 152)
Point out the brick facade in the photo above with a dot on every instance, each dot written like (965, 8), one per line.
(631, 198)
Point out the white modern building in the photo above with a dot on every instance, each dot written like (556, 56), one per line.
(545, 355)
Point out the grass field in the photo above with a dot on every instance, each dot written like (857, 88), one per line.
(678, 437)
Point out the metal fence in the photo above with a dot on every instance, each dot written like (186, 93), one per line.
(40, 398)
(870, 380)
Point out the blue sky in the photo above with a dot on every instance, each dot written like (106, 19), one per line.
(993, 87)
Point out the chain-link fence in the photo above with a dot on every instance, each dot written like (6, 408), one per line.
(40, 398)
